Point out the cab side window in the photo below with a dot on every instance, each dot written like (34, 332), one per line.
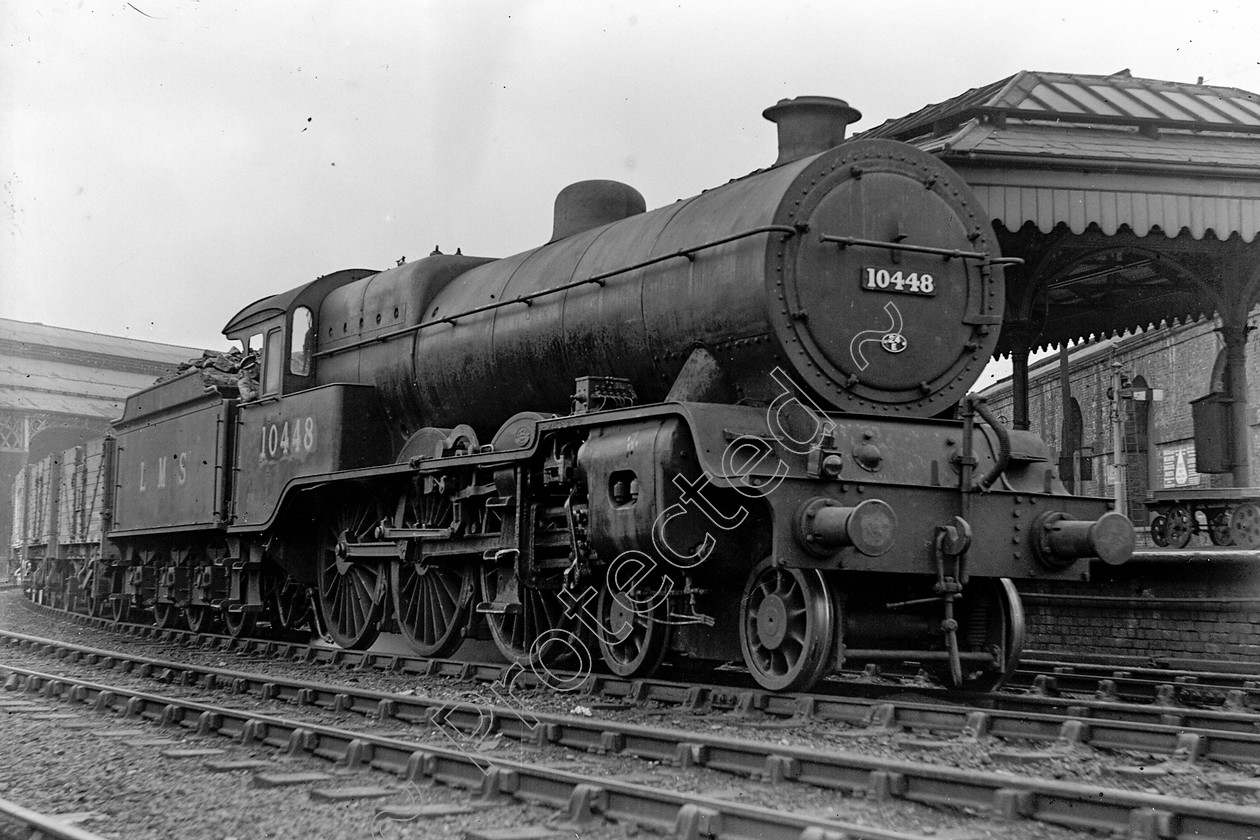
(273, 355)
(302, 342)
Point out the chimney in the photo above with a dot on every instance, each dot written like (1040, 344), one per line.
(589, 204)
(809, 125)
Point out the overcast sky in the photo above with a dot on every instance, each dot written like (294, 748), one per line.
(166, 162)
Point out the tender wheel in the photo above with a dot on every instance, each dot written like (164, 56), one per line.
(351, 591)
(1219, 530)
(167, 615)
(241, 623)
(1244, 525)
(1179, 528)
(291, 605)
(633, 637)
(432, 605)
(518, 631)
(787, 626)
(1159, 531)
(991, 618)
(95, 606)
(120, 608)
(200, 618)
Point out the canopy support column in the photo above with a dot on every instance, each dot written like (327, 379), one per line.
(1236, 354)
(1235, 335)
(1238, 302)
(1021, 335)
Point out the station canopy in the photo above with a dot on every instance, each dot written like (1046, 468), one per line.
(1133, 202)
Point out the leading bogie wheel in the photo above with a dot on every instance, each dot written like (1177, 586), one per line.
(1159, 531)
(787, 626)
(991, 619)
(1244, 525)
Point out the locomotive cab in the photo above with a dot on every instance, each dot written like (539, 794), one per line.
(280, 331)
(293, 425)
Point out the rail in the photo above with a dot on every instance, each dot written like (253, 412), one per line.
(1079, 805)
(598, 279)
(1218, 735)
(37, 826)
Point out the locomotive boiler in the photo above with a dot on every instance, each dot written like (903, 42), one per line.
(735, 428)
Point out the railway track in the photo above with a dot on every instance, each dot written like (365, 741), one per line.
(1199, 700)
(582, 797)
(1186, 734)
(1080, 806)
(1201, 686)
(18, 823)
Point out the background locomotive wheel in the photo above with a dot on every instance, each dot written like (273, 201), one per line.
(431, 603)
(1218, 529)
(787, 626)
(1179, 527)
(1159, 531)
(991, 618)
(632, 640)
(200, 618)
(1244, 525)
(540, 610)
(351, 592)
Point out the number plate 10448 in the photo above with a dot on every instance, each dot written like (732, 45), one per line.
(906, 282)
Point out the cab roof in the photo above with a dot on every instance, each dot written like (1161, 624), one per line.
(309, 294)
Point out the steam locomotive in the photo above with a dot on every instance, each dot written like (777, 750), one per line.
(735, 428)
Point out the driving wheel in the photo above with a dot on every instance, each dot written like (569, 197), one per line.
(522, 627)
(352, 589)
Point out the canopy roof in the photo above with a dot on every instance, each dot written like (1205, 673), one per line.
(63, 371)
(1132, 201)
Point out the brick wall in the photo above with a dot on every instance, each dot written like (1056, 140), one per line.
(1177, 610)
(1165, 609)
(1176, 360)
